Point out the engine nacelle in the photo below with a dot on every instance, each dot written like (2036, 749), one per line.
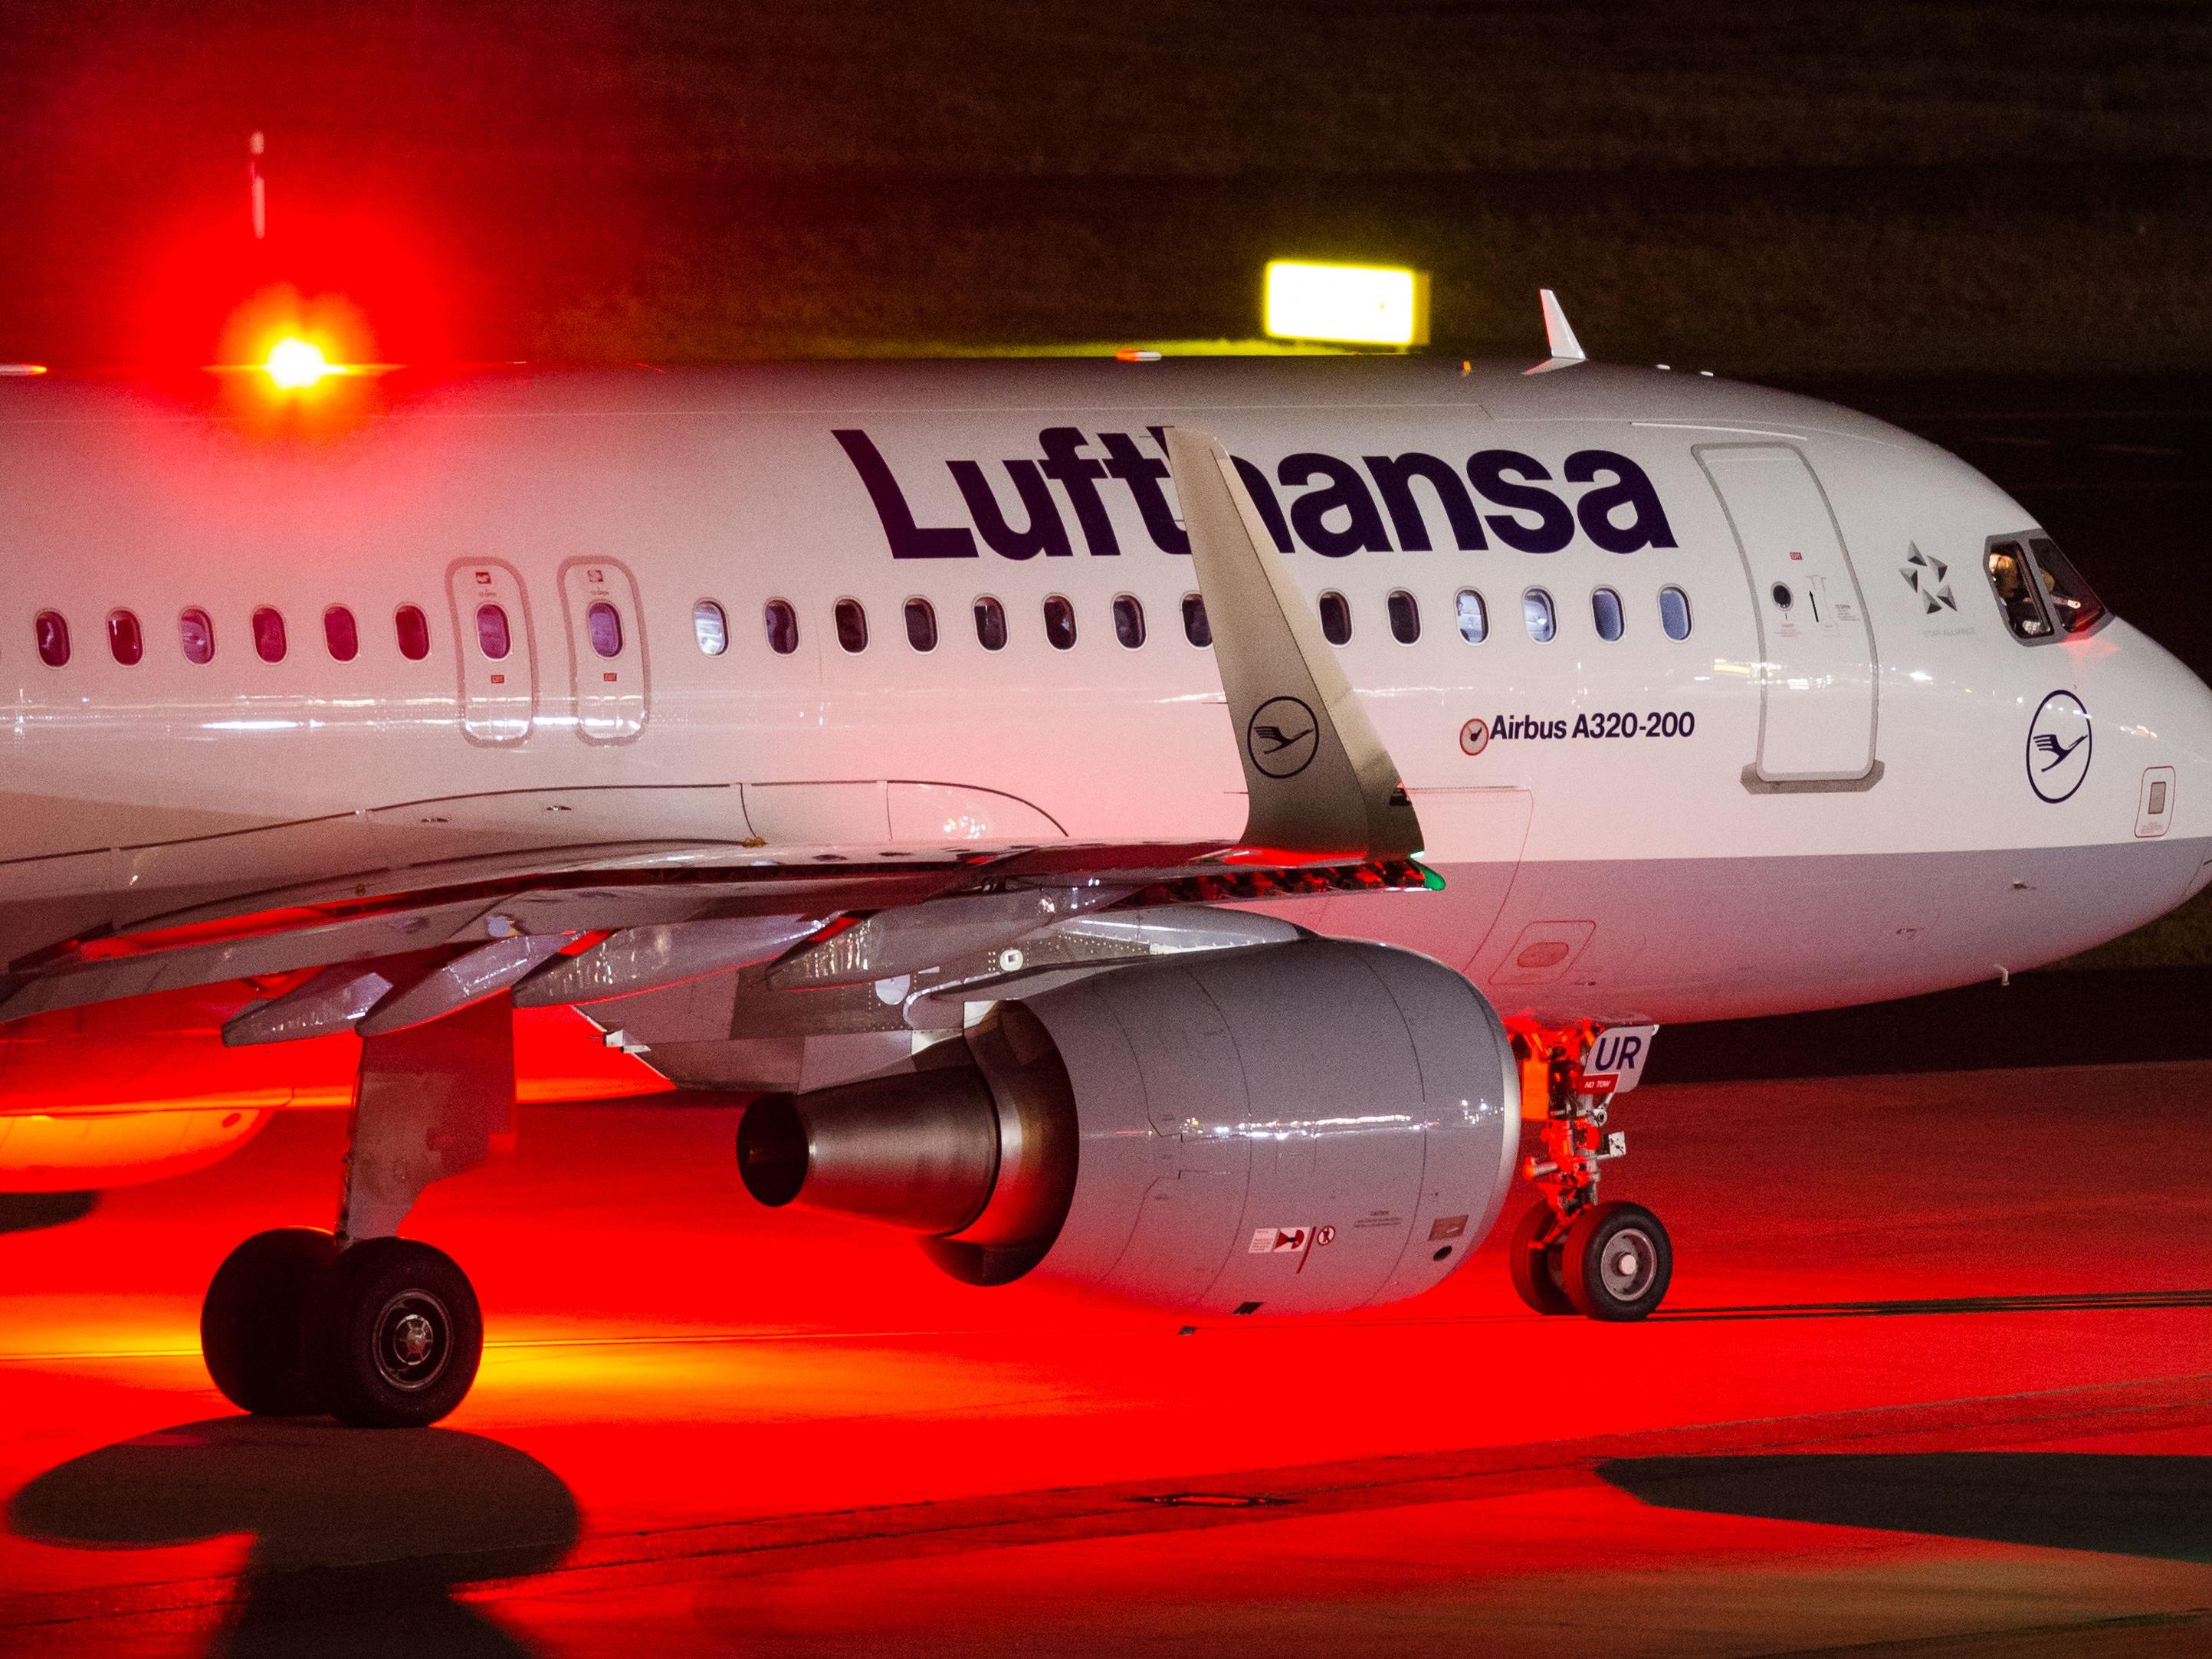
(83, 1151)
(1304, 1127)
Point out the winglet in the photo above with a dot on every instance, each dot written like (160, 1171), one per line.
(1320, 783)
(1559, 335)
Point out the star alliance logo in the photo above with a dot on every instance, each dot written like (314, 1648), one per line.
(1929, 579)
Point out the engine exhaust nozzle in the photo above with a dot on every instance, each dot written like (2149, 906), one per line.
(919, 1150)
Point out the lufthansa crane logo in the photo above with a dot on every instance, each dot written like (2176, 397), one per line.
(1281, 737)
(2058, 747)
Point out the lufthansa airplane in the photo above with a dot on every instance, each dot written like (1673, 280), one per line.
(1196, 830)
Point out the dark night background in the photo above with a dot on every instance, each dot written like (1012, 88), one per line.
(1768, 187)
(1988, 222)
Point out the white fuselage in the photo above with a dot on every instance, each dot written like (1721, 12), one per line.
(1789, 807)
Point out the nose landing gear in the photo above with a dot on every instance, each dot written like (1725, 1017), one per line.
(1571, 1252)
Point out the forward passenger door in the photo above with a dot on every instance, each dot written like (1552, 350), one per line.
(1817, 682)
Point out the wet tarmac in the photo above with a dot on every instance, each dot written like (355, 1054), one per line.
(1935, 1379)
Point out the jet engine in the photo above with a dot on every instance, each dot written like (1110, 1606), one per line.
(1304, 1127)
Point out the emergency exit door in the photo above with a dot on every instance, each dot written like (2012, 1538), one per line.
(606, 649)
(1816, 649)
(496, 655)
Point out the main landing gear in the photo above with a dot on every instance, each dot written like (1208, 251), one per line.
(384, 1333)
(1571, 1252)
(375, 1330)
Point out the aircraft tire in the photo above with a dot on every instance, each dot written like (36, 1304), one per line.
(252, 1318)
(394, 1334)
(1616, 1262)
(1531, 1257)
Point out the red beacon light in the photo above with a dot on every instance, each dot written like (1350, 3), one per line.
(298, 365)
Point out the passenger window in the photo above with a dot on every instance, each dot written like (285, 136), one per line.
(2007, 565)
(1335, 619)
(1536, 611)
(2073, 604)
(268, 635)
(852, 625)
(127, 644)
(340, 633)
(710, 628)
(1674, 612)
(196, 635)
(1474, 617)
(53, 639)
(492, 637)
(990, 624)
(1605, 611)
(1195, 627)
(782, 622)
(603, 627)
(1405, 617)
(1059, 623)
(412, 630)
(921, 625)
(1128, 620)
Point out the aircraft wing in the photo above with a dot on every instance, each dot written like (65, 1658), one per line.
(380, 950)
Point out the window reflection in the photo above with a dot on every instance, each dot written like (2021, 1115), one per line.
(782, 622)
(268, 635)
(52, 634)
(852, 625)
(1405, 617)
(710, 628)
(1536, 611)
(1335, 619)
(124, 643)
(1128, 621)
(1605, 611)
(412, 630)
(921, 625)
(1195, 627)
(196, 635)
(603, 627)
(1059, 623)
(990, 624)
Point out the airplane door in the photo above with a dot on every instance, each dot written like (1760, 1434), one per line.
(606, 649)
(1817, 691)
(498, 655)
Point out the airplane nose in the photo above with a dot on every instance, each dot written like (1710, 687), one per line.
(2181, 762)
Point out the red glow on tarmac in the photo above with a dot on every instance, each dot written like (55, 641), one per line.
(731, 1427)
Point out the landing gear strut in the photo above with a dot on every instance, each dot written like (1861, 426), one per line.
(1571, 1252)
(375, 1330)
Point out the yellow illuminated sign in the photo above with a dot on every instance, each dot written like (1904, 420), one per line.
(1351, 304)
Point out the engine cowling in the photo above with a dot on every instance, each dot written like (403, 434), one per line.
(1305, 1128)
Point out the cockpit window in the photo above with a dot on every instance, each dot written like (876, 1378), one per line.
(2073, 603)
(2015, 585)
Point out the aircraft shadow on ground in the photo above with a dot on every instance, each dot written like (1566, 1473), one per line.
(2119, 1504)
(2062, 1302)
(25, 1212)
(359, 1535)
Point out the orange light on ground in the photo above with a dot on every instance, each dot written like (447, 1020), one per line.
(295, 365)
